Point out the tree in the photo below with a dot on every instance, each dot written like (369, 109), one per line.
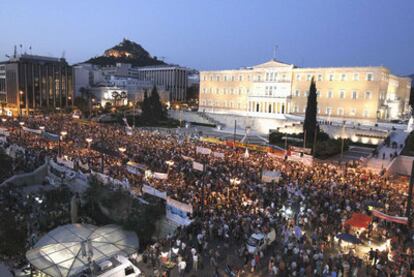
(310, 124)
(6, 164)
(86, 95)
(411, 101)
(156, 106)
(146, 107)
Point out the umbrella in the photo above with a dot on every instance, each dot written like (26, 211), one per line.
(349, 238)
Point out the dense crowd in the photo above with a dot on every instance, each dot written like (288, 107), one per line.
(316, 200)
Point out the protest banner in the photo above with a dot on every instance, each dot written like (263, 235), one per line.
(150, 190)
(218, 155)
(198, 166)
(203, 150)
(270, 176)
(178, 212)
(160, 176)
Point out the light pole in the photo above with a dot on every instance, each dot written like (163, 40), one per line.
(21, 123)
(169, 164)
(20, 102)
(62, 135)
(342, 140)
(89, 141)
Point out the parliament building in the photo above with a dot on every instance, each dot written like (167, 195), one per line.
(274, 89)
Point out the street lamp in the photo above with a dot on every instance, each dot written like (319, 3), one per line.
(21, 123)
(170, 164)
(21, 101)
(89, 141)
(62, 135)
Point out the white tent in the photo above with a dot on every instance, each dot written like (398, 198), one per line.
(64, 251)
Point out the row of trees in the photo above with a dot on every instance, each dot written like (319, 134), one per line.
(152, 109)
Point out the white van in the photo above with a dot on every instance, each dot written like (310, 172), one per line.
(259, 241)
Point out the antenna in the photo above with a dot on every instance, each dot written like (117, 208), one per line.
(15, 52)
(274, 51)
(63, 54)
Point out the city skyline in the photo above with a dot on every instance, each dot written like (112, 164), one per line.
(219, 35)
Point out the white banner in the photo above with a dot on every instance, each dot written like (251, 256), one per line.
(134, 168)
(186, 158)
(306, 159)
(32, 130)
(198, 166)
(218, 155)
(269, 176)
(155, 192)
(203, 150)
(66, 162)
(4, 132)
(179, 205)
(159, 175)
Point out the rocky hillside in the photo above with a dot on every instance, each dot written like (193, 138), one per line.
(126, 52)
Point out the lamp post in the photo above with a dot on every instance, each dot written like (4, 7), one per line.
(20, 102)
(89, 141)
(170, 164)
(62, 135)
(342, 140)
(21, 123)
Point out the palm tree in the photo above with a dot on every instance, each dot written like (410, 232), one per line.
(119, 96)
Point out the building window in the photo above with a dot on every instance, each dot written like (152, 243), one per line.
(342, 94)
(353, 112)
(320, 78)
(240, 92)
(330, 94)
(366, 113)
(368, 95)
(340, 111)
(356, 76)
(354, 95)
(297, 93)
(258, 78)
(240, 78)
(217, 78)
(331, 77)
(328, 110)
(370, 77)
(343, 77)
(267, 76)
(298, 77)
(318, 93)
(217, 91)
(257, 107)
(308, 77)
(305, 93)
(232, 78)
(204, 90)
(319, 110)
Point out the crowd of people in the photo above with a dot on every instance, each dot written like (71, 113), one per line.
(317, 200)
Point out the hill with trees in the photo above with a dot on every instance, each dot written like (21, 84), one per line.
(126, 51)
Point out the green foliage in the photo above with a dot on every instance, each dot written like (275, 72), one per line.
(152, 109)
(325, 146)
(6, 164)
(122, 209)
(310, 123)
(408, 149)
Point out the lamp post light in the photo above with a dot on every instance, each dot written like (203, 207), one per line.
(62, 135)
(21, 123)
(89, 141)
(21, 101)
(170, 164)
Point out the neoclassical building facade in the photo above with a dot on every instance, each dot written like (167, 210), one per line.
(274, 89)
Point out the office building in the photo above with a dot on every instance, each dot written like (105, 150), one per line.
(35, 83)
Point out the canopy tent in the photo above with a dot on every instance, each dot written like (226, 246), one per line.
(359, 220)
(64, 251)
(349, 238)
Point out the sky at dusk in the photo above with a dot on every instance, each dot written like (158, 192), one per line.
(219, 34)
